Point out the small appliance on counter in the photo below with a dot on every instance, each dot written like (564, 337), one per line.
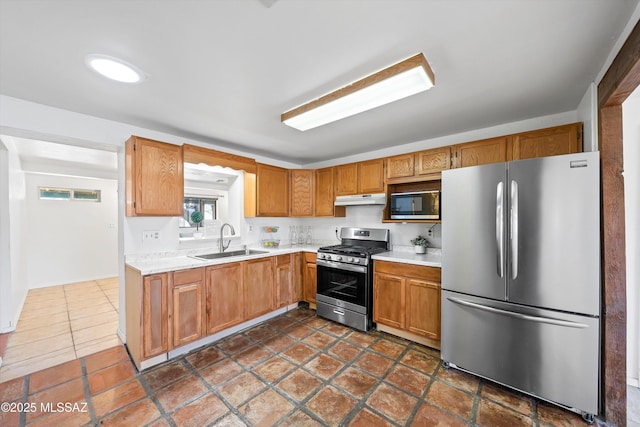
(345, 276)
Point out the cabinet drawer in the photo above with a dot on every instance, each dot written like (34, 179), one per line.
(408, 270)
(283, 260)
(310, 257)
(182, 277)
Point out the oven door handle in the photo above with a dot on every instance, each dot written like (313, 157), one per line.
(340, 266)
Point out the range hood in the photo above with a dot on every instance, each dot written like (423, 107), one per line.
(361, 199)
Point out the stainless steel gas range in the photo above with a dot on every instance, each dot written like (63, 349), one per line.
(345, 276)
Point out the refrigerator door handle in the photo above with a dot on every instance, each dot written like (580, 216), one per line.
(537, 319)
(500, 228)
(513, 224)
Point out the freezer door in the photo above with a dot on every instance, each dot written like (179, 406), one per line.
(473, 232)
(545, 353)
(554, 233)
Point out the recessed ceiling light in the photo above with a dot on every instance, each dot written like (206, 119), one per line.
(114, 68)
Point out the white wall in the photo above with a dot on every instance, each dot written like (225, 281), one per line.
(631, 153)
(13, 283)
(70, 241)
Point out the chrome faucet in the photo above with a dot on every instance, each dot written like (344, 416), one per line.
(233, 233)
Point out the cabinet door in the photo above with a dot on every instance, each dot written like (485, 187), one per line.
(155, 321)
(433, 161)
(423, 308)
(258, 287)
(389, 300)
(284, 280)
(298, 277)
(548, 142)
(371, 176)
(225, 296)
(401, 166)
(272, 191)
(492, 150)
(154, 178)
(324, 196)
(310, 286)
(187, 306)
(346, 179)
(302, 196)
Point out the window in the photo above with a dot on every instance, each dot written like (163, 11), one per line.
(47, 193)
(191, 204)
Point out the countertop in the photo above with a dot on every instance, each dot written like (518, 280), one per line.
(407, 256)
(161, 263)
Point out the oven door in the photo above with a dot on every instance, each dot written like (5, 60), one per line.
(344, 285)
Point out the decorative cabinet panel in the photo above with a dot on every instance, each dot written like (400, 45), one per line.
(407, 298)
(154, 178)
(284, 280)
(225, 296)
(548, 142)
(302, 192)
(493, 150)
(155, 323)
(310, 278)
(272, 191)
(187, 306)
(258, 287)
(298, 276)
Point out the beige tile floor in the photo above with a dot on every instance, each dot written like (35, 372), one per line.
(62, 323)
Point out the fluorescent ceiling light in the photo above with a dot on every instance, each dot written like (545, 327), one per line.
(114, 68)
(406, 78)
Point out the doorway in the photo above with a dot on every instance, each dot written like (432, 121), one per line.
(68, 223)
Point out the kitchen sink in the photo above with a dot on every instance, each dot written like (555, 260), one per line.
(242, 252)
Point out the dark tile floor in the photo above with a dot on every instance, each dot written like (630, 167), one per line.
(295, 370)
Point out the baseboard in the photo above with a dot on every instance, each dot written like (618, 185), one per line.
(409, 336)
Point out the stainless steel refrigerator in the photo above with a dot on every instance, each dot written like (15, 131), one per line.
(521, 276)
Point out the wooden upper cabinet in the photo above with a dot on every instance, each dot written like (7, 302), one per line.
(433, 161)
(418, 166)
(187, 306)
(371, 176)
(359, 178)
(346, 179)
(548, 142)
(302, 192)
(272, 190)
(401, 166)
(324, 194)
(493, 150)
(154, 178)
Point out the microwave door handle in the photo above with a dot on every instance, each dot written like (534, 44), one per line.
(500, 229)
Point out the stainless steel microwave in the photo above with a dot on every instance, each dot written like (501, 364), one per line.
(416, 205)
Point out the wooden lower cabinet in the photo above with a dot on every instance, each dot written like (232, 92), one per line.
(298, 276)
(187, 306)
(309, 278)
(258, 287)
(407, 298)
(224, 296)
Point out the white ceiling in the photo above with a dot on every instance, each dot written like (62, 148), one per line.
(222, 71)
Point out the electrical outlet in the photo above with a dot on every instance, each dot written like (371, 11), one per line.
(150, 235)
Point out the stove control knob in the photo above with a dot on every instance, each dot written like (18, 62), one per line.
(338, 258)
(357, 260)
(326, 256)
(351, 259)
